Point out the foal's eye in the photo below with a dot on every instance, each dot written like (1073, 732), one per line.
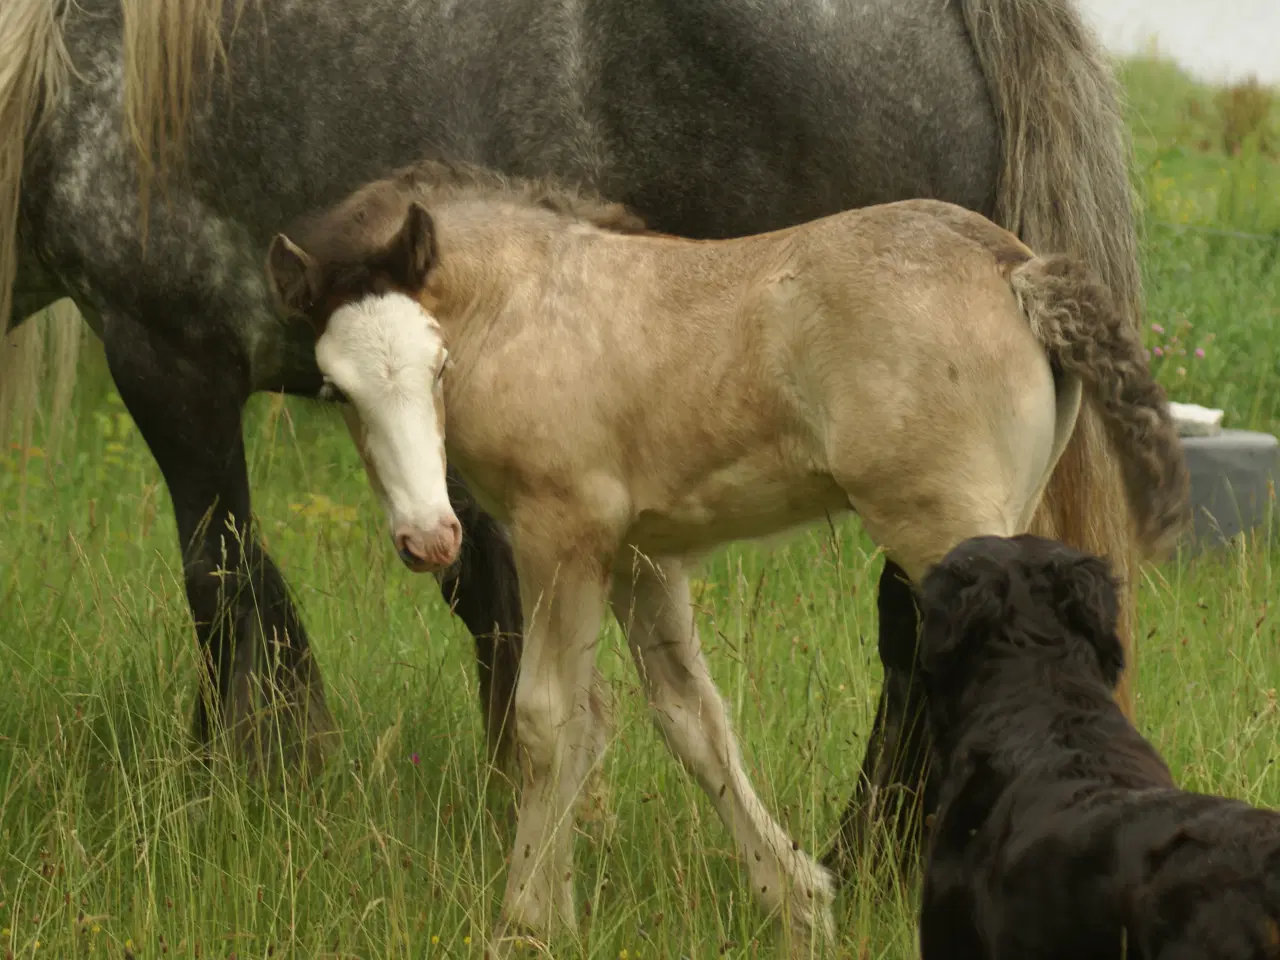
(330, 393)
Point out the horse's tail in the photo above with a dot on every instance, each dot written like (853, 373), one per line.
(170, 48)
(1076, 320)
(1063, 187)
(33, 68)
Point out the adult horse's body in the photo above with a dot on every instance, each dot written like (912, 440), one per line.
(710, 117)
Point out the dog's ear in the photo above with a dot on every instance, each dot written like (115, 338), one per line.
(960, 609)
(1087, 601)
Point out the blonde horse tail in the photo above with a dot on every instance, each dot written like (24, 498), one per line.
(1063, 187)
(170, 46)
(33, 69)
(1075, 319)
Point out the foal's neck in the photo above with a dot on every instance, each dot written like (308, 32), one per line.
(491, 256)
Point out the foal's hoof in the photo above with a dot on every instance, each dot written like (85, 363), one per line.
(509, 944)
(810, 902)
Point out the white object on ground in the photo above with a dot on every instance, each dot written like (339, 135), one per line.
(1194, 420)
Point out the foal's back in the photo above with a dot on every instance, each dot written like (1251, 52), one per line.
(788, 375)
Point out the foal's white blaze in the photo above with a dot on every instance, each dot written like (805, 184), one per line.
(386, 354)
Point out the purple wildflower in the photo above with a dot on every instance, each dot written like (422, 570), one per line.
(1157, 328)
(1159, 351)
(1199, 353)
(414, 759)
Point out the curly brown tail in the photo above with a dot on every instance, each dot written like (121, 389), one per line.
(1075, 318)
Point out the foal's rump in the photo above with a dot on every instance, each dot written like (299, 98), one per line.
(976, 355)
(1075, 319)
(951, 426)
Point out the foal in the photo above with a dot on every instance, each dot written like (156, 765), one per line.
(624, 403)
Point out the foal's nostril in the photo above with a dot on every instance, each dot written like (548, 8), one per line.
(434, 551)
(408, 550)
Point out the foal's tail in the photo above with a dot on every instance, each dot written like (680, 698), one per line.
(1076, 319)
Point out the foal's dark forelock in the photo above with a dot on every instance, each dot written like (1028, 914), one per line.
(710, 118)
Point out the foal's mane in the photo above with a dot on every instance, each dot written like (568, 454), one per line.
(368, 218)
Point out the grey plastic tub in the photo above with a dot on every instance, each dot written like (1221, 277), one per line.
(1234, 477)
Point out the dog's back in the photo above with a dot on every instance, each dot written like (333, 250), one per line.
(1210, 886)
(1060, 833)
(1083, 871)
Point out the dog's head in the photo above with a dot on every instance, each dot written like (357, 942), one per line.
(1025, 595)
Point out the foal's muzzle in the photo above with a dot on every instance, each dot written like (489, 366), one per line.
(429, 551)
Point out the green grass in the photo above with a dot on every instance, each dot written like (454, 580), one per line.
(113, 842)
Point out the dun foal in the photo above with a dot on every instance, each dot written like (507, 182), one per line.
(624, 402)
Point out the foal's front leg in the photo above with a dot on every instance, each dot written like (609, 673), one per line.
(558, 731)
(652, 603)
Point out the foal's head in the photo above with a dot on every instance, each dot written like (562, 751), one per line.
(382, 355)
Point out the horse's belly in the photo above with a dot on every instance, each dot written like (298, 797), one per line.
(727, 508)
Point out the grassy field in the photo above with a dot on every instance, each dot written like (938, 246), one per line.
(113, 844)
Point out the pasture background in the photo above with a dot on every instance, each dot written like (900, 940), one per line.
(113, 844)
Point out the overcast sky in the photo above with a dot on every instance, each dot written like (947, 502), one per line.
(1213, 39)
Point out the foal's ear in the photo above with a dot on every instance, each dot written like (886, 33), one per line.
(292, 275)
(413, 251)
(1086, 598)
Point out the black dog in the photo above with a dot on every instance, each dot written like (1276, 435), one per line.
(1059, 831)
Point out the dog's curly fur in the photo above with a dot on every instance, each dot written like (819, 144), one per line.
(1059, 832)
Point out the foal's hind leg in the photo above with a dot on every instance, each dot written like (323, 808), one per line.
(651, 601)
(264, 683)
(893, 787)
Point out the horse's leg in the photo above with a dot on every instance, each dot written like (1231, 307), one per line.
(482, 589)
(187, 404)
(557, 729)
(892, 788)
(652, 603)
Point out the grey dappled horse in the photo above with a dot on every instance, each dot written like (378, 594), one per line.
(709, 117)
